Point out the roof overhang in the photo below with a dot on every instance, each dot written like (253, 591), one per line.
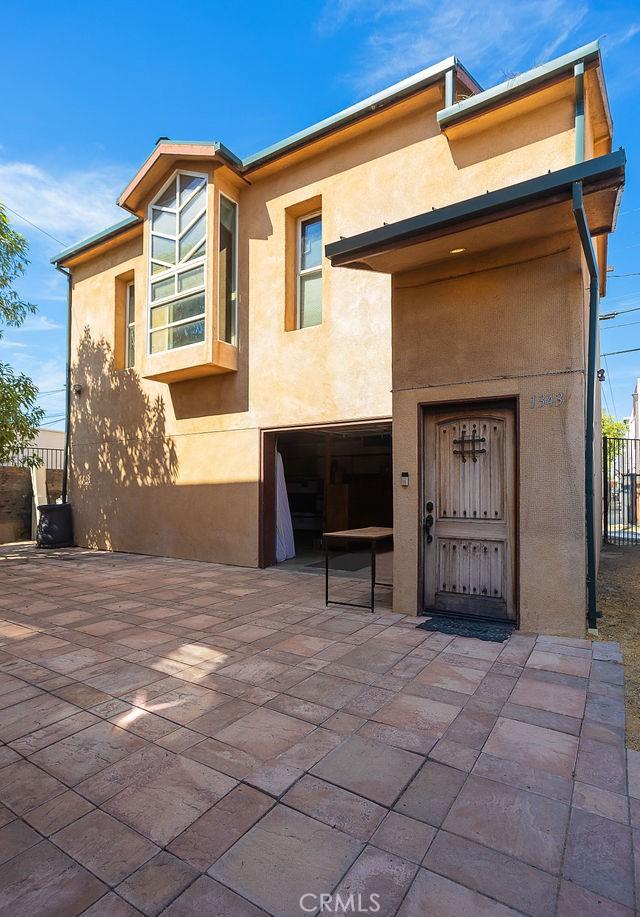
(120, 232)
(165, 155)
(525, 83)
(531, 209)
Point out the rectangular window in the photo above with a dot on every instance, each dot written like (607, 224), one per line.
(228, 271)
(309, 271)
(177, 255)
(130, 345)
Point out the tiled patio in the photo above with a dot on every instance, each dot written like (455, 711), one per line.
(189, 738)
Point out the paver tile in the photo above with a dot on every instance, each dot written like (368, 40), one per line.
(44, 880)
(554, 662)
(169, 799)
(438, 896)
(335, 807)
(533, 746)
(105, 846)
(30, 715)
(545, 695)
(16, 837)
(403, 836)
(85, 753)
(575, 901)
(157, 882)
(599, 857)
(220, 827)
(208, 897)
(431, 793)
(58, 812)
(453, 677)
(23, 786)
(264, 733)
(377, 873)
(369, 768)
(497, 875)
(328, 690)
(284, 856)
(417, 713)
(521, 824)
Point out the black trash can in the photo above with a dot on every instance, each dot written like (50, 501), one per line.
(55, 526)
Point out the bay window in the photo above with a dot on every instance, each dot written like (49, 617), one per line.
(177, 263)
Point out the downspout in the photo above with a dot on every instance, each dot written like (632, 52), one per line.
(592, 265)
(65, 457)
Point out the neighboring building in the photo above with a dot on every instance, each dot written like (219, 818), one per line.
(49, 439)
(408, 276)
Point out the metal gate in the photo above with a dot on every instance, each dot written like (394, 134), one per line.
(621, 490)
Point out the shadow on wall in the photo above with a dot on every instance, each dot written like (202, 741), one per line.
(118, 441)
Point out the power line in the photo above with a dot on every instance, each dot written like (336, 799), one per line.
(35, 225)
(608, 315)
(621, 325)
(632, 274)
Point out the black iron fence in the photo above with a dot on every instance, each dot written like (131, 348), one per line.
(621, 490)
(51, 458)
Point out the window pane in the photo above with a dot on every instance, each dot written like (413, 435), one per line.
(187, 184)
(163, 288)
(310, 300)
(164, 222)
(227, 270)
(192, 237)
(168, 199)
(163, 249)
(131, 346)
(198, 253)
(193, 208)
(159, 316)
(159, 340)
(131, 304)
(177, 310)
(311, 242)
(181, 335)
(157, 268)
(190, 279)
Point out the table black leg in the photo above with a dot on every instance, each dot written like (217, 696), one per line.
(326, 572)
(373, 575)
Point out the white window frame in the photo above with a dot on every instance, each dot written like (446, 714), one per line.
(221, 194)
(305, 272)
(176, 269)
(130, 324)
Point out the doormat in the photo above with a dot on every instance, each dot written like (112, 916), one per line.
(496, 631)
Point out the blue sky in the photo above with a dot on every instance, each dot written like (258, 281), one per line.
(90, 87)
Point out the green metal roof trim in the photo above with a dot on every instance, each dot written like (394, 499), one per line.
(518, 84)
(380, 100)
(101, 236)
(410, 230)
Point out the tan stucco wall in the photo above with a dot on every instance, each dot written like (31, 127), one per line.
(196, 444)
(513, 331)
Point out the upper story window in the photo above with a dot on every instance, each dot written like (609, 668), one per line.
(130, 326)
(228, 271)
(309, 271)
(177, 254)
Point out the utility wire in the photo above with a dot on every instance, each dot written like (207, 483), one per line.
(614, 353)
(621, 325)
(607, 315)
(35, 225)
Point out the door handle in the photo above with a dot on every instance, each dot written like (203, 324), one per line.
(428, 523)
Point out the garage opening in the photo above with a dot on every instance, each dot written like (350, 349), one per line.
(331, 479)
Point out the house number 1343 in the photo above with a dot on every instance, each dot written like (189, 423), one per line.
(547, 401)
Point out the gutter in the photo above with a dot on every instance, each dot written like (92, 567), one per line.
(518, 85)
(592, 265)
(67, 409)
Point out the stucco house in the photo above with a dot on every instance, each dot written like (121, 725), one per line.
(400, 302)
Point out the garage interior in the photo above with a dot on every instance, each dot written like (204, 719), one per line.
(337, 478)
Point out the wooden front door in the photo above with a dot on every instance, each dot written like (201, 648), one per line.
(469, 512)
